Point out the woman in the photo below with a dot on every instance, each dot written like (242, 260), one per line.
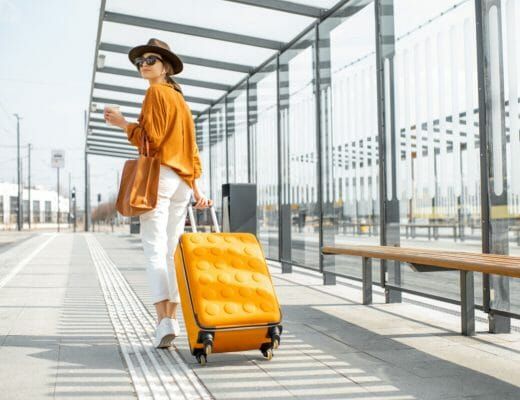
(167, 122)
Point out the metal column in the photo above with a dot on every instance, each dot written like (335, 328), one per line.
(389, 204)
(495, 215)
(329, 277)
(285, 223)
(248, 125)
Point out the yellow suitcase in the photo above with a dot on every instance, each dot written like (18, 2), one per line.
(227, 295)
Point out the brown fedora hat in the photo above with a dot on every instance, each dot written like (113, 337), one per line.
(159, 47)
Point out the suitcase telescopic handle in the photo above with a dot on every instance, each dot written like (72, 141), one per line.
(192, 217)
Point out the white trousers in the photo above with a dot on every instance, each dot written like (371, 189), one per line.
(160, 232)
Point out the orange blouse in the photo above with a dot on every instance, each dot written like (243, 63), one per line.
(167, 122)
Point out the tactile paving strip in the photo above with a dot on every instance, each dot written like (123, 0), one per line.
(156, 373)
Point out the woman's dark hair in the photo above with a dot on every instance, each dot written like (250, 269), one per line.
(169, 76)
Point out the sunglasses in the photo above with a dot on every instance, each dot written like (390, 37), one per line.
(150, 60)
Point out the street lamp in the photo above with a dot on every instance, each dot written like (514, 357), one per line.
(73, 195)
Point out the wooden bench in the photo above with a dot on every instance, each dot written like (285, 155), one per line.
(357, 227)
(411, 227)
(465, 262)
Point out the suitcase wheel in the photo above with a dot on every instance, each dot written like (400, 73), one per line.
(206, 339)
(274, 334)
(201, 359)
(208, 348)
(267, 351)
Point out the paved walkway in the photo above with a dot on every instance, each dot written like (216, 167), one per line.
(76, 321)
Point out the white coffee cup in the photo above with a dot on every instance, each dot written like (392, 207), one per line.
(112, 108)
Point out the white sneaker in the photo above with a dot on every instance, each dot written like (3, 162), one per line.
(164, 334)
(176, 327)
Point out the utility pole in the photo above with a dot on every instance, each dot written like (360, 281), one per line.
(58, 188)
(19, 173)
(29, 181)
(98, 204)
(70, 202)
(21, 201)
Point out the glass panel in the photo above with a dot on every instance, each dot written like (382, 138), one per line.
(182, 44)
(138, 83)
(217, 141)
(108, 94)
(437, 146)
(504, 190)
(317, 3)
(121, 80)
(299, 149)
(264, 155)
(349, 133)
(216, 15)
(237, 136)
(99, 105)
(201, 73)
(190, 71)
(138, 98)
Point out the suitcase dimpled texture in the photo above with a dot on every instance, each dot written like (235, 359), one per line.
(227, 295)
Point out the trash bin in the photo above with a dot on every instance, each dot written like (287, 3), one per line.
(135, 225)
(239, 207)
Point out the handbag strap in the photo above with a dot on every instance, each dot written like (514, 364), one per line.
(145, 146)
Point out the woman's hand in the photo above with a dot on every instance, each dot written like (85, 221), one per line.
(201, 201)
(114, 117)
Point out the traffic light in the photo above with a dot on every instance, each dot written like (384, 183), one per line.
(73, 195)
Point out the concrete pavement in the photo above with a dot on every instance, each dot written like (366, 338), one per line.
(76, 321)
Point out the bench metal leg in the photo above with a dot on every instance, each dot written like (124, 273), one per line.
(467, 303)
(367, 280)
(329, 278)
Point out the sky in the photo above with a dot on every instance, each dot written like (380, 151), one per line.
(48, 51)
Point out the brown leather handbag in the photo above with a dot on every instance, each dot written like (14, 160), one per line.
(139, 183)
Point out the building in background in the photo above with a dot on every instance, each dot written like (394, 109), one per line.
(43, 210)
